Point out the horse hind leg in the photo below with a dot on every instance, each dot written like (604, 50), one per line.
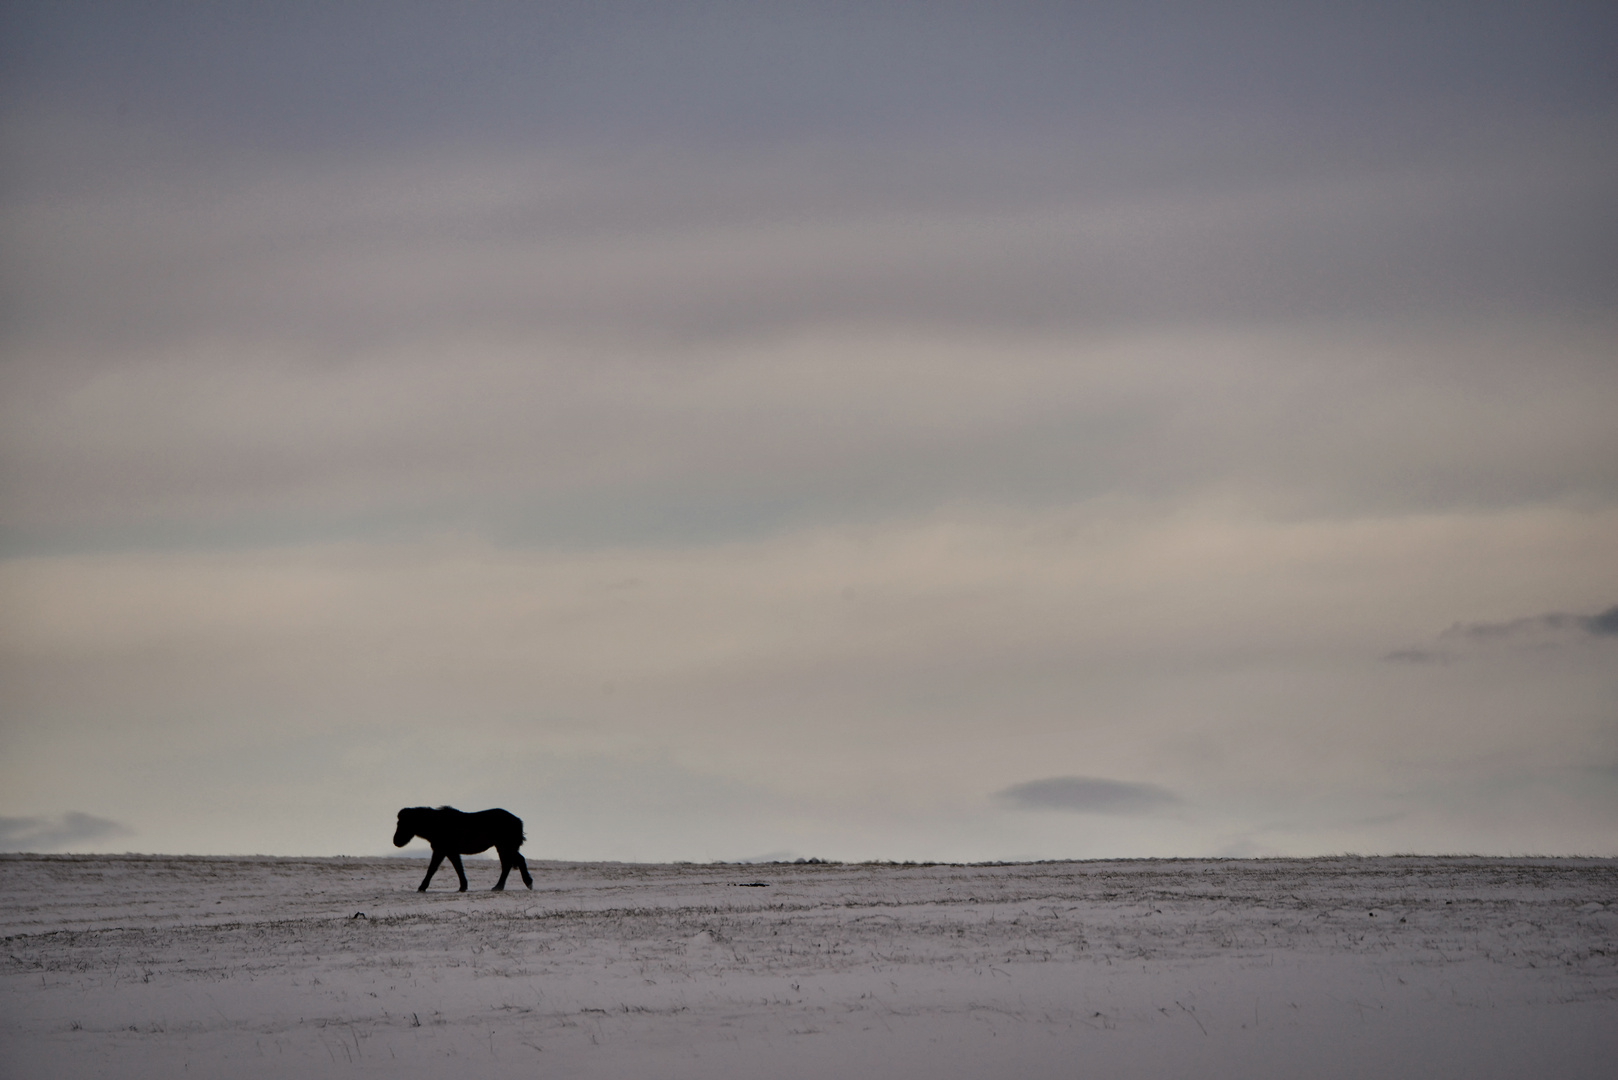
(522, 868)
(505, 869)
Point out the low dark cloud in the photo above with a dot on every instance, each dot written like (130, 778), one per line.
(1087, 795)
(45, 833)
(1540, 630)
(1604, 624)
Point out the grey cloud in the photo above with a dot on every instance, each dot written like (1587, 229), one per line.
(1604, 624)
(1088, 795)
(667, 247)
(1538, 630)
(308, 76)
(45, 834)
(143, 230)
(578, 338)
(530, 343)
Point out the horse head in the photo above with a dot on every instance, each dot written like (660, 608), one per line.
(407, 828)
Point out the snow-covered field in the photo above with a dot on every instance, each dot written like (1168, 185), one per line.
(1420, 967)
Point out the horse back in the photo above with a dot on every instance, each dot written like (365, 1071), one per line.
(467, 834)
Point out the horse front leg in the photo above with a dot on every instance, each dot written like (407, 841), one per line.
(432, 868)
(460, 871)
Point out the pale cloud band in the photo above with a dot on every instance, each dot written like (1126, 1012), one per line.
(774, 688)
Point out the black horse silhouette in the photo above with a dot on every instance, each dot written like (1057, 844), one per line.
(453, 834)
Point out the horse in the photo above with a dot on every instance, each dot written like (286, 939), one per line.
(453, 834)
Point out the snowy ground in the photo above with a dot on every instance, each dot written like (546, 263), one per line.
(160, 967)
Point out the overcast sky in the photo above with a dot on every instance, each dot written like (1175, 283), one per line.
(853, 430)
